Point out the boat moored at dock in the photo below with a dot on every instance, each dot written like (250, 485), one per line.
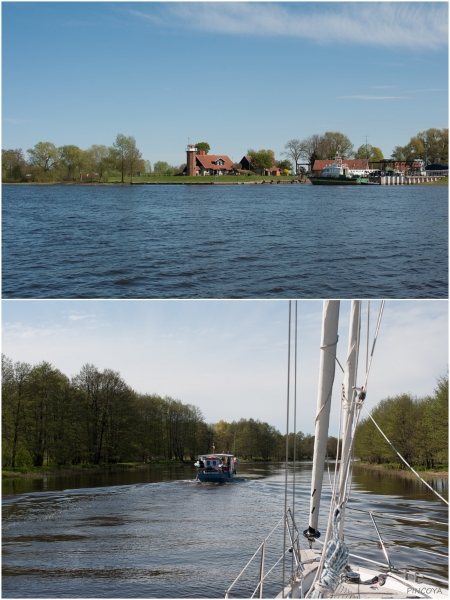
(338, 174)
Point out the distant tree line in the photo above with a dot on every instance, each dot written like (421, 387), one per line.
(417, 427)
(47, 162)
(94, 417)
(254, 440)
(431, 146)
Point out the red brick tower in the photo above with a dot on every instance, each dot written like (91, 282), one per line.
(190, 159)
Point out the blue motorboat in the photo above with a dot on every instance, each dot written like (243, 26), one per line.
(216, 467)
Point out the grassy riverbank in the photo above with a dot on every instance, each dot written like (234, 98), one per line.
(443, 181)
(223, 179)
(394, 471)
(40, 472)
(206, 180)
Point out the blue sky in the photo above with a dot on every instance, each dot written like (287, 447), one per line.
(229, 358)
(236, 75)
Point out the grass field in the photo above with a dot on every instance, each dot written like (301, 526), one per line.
(206, 179)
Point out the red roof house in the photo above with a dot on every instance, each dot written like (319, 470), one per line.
(212, 164)
(357, 164)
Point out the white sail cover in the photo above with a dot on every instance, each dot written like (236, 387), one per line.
(326, 378)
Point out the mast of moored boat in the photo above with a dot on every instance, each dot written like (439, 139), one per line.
(326, 378)
(349, 404)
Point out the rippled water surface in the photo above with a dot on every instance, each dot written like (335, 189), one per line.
(225, 241)
(159, 534)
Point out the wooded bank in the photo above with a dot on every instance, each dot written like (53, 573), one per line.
(95, 418)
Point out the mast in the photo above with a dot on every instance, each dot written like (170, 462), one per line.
(349, 405)
(326, 378)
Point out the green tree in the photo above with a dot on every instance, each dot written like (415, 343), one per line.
(74, 160)
(162, 168)
(13, 163)
(261, 159)
(435, 145)
(44, 390)
(203, 146)
(372, 153)
(133, 157)
(284, 165)
(106, 399)
(120, 153)
(17, 173)
(338, 142)
(14, 396)
(44, 155)
(99, 159)
(431, 146)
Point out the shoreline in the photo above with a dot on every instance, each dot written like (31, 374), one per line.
(267, 181)
(106, 183)
(64, 471)
(89, 470)
(403, 473)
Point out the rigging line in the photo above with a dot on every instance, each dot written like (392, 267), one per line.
(381, 542)
(367, 336)
(392, 544)
(255, 553)
(328, 398)
(287, 448)
(401, 457)
(421, 550)
(339, 364)
(375, 337)
(398, 516)
(352, 451)
(295, 422)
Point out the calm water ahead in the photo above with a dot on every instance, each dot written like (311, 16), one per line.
(159, 534)
(225, 242)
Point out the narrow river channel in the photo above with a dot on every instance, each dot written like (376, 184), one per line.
(157, 533)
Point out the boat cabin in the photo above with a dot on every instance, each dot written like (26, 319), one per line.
(215, 462)
(215, 467)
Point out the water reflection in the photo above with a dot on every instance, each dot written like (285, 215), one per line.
(390, 484)
(157, 533)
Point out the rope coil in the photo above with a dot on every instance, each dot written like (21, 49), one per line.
(335, 560)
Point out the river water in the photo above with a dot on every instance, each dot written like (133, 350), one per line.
(225, 241)
(157, 533)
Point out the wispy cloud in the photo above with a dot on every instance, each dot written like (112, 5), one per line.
(19, 330)
(426, 90)
(80, 317)
(394, 24)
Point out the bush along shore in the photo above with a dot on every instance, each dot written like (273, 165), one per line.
(396, 470)
(45, 471)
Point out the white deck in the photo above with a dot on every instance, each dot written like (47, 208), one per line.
(393, 588)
